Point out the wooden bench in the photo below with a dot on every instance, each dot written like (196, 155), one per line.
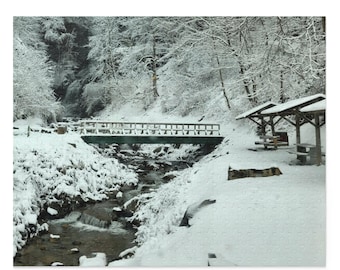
(278, 139)
(283, 138)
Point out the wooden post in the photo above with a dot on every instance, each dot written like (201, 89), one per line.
(263, 126)
(272, 125)
(317, 138)
(297, 125)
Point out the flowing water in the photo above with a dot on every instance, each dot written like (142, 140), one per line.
(95, 227)
(76, 235)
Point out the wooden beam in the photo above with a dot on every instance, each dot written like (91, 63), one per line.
(262, 122)
(288, 120)
(250, 118)
(280, 118)
(307, 120)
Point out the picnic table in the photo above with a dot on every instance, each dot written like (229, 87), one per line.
(305, 153)
(278, 139)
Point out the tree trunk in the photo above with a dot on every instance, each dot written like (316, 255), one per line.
(246, 84)
(222, 83)
(282, 97)
(154, 73)
(324, 24)
(245, 81)
(254, 91)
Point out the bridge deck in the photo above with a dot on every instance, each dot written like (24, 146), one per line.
(151, 133)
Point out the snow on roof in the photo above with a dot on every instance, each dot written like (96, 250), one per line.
(291, 104)
(318, 106)
(256, 109)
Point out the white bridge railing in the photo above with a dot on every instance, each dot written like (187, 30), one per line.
(148, 129)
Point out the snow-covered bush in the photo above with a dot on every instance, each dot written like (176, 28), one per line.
(49, 167)
(161, 212)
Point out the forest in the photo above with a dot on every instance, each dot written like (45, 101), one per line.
(78, 66)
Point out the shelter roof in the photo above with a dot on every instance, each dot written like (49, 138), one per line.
(315, 107)
(256, 110)
(294, 104)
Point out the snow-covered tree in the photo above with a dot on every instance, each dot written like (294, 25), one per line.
(32, 73)
(298, 53)
(102, 89)
(125, 55)
(185, 63)
(260, 58)
(194, 75)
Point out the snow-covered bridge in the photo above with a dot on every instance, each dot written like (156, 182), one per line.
(102, 132)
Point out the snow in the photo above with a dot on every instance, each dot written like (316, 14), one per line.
(117, 209)
(292, 104)
(252, 165)
(99, 259)
(256, 109)
(318, 106)
(295, 172)
(270, 221)
(47, 166)
(31, 218)
(57, 264)
(54, 236)
(52, 211)
(127, 251)
(218, 260)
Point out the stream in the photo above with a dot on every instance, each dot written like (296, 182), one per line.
(102, 226)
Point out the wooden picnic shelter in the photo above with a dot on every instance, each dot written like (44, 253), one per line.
(259, 119)
(298, 112)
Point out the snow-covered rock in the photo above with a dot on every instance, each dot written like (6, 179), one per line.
(57, 264)
(97, 259)
(127, 252)
(54, 236)
(52, 211)
(74, 250)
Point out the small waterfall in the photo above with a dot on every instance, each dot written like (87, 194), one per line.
(93, 221)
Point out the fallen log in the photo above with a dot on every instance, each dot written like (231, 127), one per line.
(239, 171)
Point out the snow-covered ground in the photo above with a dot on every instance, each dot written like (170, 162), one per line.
(269, 221)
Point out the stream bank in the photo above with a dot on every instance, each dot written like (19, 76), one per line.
(102, 226)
